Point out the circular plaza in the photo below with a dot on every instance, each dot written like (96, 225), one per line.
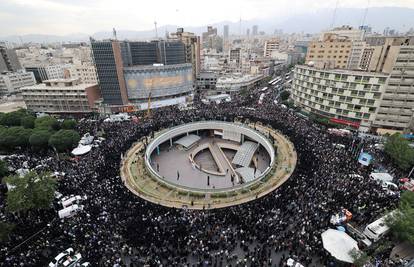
(208, 164)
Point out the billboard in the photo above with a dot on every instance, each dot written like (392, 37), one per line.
(161, 81)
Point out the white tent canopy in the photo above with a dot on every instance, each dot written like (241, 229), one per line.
(81, 150)
(339, 244)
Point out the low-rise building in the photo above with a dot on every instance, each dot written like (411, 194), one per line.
(61, 96)
(350, 97)
(11, 82)
(48, 72)
(232, 84)
(206, 81)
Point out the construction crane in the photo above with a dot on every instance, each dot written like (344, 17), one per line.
(149, 106)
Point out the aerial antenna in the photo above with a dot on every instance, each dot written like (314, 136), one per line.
(365, 14)
(156, 31)
(114, 33)
(334, 14)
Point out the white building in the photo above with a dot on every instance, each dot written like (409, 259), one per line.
(236, 83)
(11, 82)
(85, 72)
(350, 97)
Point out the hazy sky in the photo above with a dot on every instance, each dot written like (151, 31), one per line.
(62, 17)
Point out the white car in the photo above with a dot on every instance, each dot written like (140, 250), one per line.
(69, 211)
(59, 259)
(71, 261)
(70, 200)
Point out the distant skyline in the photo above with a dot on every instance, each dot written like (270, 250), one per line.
(62, 17)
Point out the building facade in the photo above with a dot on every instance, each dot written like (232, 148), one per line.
(192, 48)
(332, 52)
(61, 96)
(396, 111)
(158, 83)
(11, 82)
(85, 72)
(48, 72)
(270, 47)
(350, 96)
(8, 60)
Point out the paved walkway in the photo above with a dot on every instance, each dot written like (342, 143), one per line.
(138, 180)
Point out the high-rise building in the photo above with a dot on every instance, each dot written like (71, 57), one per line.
(226, 32)
(348, 97)
(43, 72)
(211, 40)
(8, 60)
(271, 46)
(247, 32)
(333, 51)
(382, 56)
(255, 30)
(396, 111)
(109, 69)
(192, 48)
(129, 72)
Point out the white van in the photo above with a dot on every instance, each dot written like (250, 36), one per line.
(69, 200)
(70, 211)
(376, 230)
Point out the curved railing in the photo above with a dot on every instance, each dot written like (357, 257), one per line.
(206, 125)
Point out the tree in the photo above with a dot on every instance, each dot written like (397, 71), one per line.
(40, 139)
(69, 124)
(14, 137)
(397, 147)
(3, 168)
(360, 257)
(64, 140)
(5, 230)
(11, 119)
(32, 191)
(401, 222)
(28, 121)
(47, 123)
(284, 95)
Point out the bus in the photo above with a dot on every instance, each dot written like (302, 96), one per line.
(271, 81)
(278, 80)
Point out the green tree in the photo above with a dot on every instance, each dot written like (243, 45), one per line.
(28, 121)
(47, 123)
(401, 222)
(284, 95)
(64, 140)
(5, 230)
(11, 118)
(397, 147)
(4, 170)
(360, 257)
(32, 191)
(69, 124)
(40, 139)
(14, 137)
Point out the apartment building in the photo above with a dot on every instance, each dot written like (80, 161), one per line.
(85, 72)
(351, 97)
(332, 52)
(270, 47)
(11, 82)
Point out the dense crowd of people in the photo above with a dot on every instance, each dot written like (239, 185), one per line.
(117, 228)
